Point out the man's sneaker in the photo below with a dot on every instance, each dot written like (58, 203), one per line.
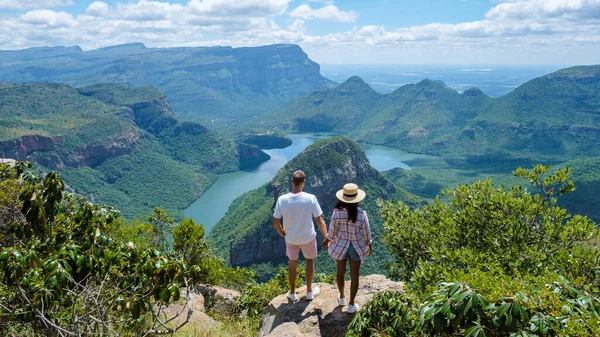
(292, 297)
(352, 308)
(341, 301)
(312, 294)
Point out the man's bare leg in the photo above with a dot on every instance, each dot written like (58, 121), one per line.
(292, 266)
(310, 274)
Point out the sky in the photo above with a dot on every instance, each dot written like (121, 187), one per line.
(330, 32)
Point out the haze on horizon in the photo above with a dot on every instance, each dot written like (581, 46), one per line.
(333, 32)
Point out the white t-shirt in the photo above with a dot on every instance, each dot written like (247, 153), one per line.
(297, 211)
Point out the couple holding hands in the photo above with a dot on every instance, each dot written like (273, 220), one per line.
(348, 237)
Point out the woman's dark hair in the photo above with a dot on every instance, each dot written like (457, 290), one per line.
(352, 209)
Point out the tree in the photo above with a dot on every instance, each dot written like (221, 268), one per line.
(163, 228)
(64, 275)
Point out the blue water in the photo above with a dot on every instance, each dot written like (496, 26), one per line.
(493, 80)
(213, 204)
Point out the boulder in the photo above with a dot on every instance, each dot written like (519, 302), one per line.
(8, 161)
(321, 316)
(220, 300)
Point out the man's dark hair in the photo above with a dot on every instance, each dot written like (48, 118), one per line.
(298, 178)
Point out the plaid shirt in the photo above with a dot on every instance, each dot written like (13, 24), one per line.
(343, 232)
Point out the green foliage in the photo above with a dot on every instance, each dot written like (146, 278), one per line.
(388, 313)
(456, 309)
(482, 225)
(163, 229)
(490, 262)
(255, 296)
(62, 268)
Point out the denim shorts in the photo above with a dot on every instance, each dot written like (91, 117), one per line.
(351, 254)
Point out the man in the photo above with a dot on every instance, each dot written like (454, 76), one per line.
(297, 209)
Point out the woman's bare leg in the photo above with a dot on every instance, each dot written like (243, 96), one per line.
(340, 276)
(354, 274)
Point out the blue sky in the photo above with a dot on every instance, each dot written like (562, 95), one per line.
(351, 31)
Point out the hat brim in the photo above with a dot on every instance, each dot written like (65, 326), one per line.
(350, 200)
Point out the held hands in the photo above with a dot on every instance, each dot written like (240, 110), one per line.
(369, 250)
(281, 233)
(326, 243)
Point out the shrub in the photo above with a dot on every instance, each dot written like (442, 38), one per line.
(63, 274)
(489, 261)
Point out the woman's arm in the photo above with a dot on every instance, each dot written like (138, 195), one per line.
(366, 233)
(332, 225)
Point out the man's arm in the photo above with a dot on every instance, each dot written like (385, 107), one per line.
(277, 225)
(322, 225)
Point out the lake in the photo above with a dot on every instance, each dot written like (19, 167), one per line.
(213, 204)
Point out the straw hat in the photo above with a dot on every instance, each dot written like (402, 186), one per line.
(350, 194)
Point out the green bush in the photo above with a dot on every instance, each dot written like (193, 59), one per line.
(490, 262)
(480, 225)
(61, 273)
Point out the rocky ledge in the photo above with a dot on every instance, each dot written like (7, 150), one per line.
(321, 316)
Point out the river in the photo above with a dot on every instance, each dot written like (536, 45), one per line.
(213, 204)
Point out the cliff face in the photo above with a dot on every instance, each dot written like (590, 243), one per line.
(202, 83)
(48, 151)
(246, 236)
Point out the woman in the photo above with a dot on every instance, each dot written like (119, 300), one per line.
(349, 238)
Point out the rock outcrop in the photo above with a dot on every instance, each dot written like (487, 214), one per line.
(221, 300)
(321, 316)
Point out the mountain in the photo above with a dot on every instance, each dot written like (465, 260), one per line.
(552, 118)
(122, 146)
(245, 236)
(220, 85)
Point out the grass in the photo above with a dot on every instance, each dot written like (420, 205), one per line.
(242, 327)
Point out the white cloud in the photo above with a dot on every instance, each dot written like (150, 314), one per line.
(27, 4)
(327, 13)
(48, 18)
(148, 11)
(237, 7)
(545, 9)
(550, 28)
(97, 8)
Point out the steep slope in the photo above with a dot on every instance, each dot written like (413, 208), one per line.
(338, 109)
(203, 83)
(552, 118)
(246, 236)
(122, 146)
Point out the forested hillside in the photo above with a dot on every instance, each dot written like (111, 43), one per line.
(118, 145)
(552, 118)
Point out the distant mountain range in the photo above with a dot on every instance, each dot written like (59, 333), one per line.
(122, 146)
(551, 118)
(214, 85)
